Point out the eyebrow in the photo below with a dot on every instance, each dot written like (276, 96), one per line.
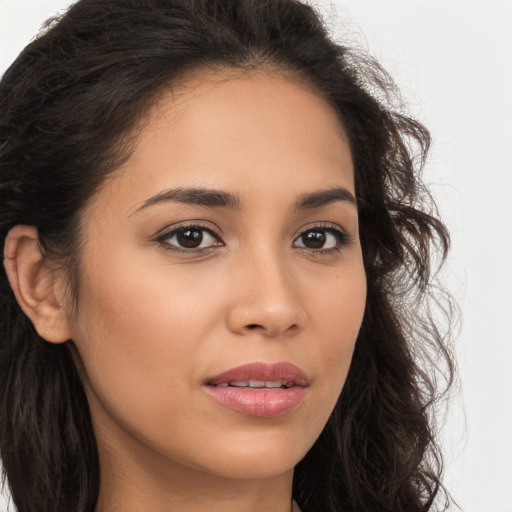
(200, 196)
(219, 199)
(324, 197)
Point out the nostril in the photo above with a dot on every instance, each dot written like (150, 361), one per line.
(254, 326)
(269, 331)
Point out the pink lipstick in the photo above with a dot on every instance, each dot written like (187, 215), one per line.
(260, 389)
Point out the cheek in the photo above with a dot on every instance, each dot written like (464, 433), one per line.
(139, 342)
(335, 319)
(336, 310)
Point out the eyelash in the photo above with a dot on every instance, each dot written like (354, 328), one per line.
(342, 237)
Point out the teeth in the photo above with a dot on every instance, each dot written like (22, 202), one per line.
(239, 383)
(257, 384)
(273, 383)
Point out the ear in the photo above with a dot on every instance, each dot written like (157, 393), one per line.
(34, 284)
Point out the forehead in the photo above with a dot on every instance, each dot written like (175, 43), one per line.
(246, 131)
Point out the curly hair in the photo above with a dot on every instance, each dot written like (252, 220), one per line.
(69, 108)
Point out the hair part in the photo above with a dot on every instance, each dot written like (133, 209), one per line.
(71, 107)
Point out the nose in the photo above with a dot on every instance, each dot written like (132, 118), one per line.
(265, 299)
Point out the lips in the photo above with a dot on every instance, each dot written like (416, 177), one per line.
(265, 372)
(260, 389)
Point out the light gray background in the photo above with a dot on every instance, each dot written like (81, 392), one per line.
(453, 62)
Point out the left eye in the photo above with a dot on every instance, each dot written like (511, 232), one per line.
(191, 237)
(318, 239)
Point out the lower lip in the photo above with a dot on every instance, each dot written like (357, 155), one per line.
(260, 402)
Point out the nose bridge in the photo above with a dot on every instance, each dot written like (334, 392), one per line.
(272, 277)
(267, 296)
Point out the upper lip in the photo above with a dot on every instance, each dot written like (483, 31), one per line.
(284, 371)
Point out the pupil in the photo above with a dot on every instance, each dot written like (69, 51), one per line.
(190, 238)
(314, 239)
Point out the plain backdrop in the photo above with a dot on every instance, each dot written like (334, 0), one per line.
(452, 60)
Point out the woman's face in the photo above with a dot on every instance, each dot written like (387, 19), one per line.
(228, 242)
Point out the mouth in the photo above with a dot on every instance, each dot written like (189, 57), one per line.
(256, 384)
(260, 389)
(259, 375)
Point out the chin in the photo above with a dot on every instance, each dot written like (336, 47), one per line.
(260, 457)
(255, 467)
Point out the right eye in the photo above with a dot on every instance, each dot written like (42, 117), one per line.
(190, 238)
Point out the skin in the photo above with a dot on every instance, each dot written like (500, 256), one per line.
(153, 323)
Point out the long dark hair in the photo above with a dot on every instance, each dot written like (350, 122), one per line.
(69, 106)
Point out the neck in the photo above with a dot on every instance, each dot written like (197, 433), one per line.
(140, 496)
(135, 482)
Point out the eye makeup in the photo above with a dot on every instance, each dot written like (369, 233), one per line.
(196, 238)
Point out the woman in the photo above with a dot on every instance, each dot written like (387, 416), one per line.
(217, 268)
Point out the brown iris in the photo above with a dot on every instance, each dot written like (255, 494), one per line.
(314, 239)
(189, 238)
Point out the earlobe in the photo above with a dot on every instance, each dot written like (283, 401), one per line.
(33, 283)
